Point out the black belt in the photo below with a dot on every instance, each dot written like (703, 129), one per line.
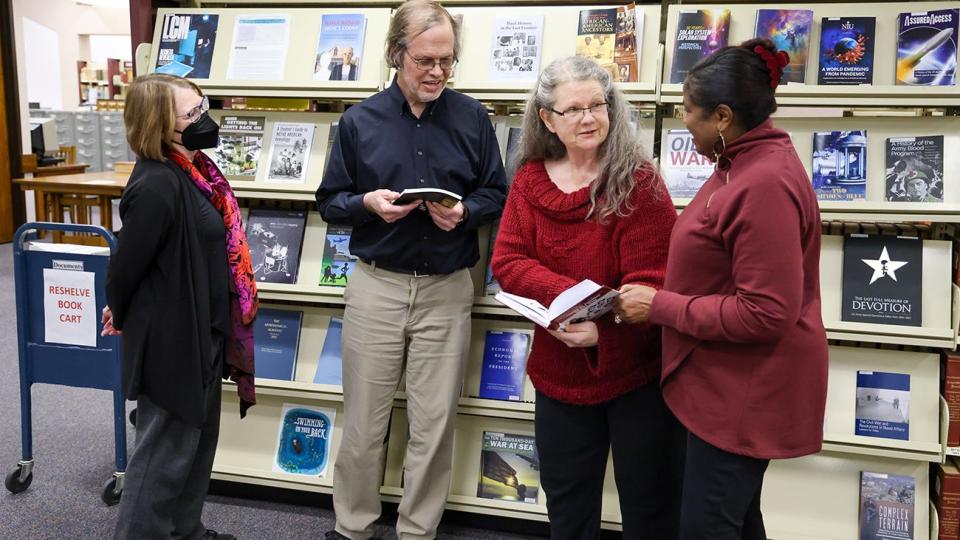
(415, 273)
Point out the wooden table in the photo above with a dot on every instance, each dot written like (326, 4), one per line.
(77, 194)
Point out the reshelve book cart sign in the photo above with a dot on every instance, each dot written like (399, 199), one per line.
(882, 280)
(69, 304)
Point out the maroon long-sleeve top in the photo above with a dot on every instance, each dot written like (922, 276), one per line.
(546, 244)
(744, 348)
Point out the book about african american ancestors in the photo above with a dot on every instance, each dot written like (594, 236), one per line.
(887, 506)
(914, 169)
(304, 440)
(699, 34)
(629, 40)
(882, 280)
(846, 50)
(275, 238)
(683, 168)
(290, 152)
(840, 165)
(186, 45)
(515, 51)
(509, 467)
(789, 30)
(927, 48)
(241, 140)
(883, 405)
(337, 263)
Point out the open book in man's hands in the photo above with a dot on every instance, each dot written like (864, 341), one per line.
(437, 195)
(585, 301)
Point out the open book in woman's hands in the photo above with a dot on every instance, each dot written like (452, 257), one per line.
(585, 301)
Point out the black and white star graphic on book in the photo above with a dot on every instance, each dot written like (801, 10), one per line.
(884, 267)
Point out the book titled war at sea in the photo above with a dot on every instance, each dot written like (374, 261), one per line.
(275, 339)
(883, 405)
(927, 48)
(882, 280)
(241, 140)
(887, 506)
(699, 34)
(846, 50)
(337, 263)
(914, 169)
(790, 31)
(186, 45)
(275, 238)
(304, 440)
(504, 364)
(509, 467)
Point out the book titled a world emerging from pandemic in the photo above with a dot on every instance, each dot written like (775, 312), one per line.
(846, 50)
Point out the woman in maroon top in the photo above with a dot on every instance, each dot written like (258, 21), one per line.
(586, 203)
(744, 349)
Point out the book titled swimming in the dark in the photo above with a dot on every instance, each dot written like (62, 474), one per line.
(846, 50)
(304, 440)
(186, 44)
(790, 31)
(927, 48)
(882, 280)
(275, 238)
(337, 262)
(276, 335)
(887, 506)
(699, 34)
(504, 364)
(883, 405)
(509, 467)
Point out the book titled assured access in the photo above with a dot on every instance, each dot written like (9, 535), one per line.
(927, 48)
(509, 467)
(584, 301)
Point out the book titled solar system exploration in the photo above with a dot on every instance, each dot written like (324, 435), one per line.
(699, 34)
(846, 50)
(927, 48)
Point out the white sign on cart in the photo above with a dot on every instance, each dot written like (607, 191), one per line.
(69, 307)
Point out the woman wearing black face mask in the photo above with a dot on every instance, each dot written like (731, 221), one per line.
(181, 289)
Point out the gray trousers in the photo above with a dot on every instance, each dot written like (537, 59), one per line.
(169, 472)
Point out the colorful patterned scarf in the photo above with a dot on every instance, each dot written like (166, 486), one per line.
(204, 173)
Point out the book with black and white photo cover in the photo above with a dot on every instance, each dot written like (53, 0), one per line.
(683, 168)
(629, 38)
(275, 238)
(339, 47)
(290, 152)
(846, 50)
(882, 280)
(509, 467)
(887, 506)
(304, 440)
(186, 44)
(330, 366)
(790, 31)
(927, 48)
(584, 301)
(699, 34)
(597, 37)
(276, 336)
(337, 262)
(914, 169)
(515, 51)
(883, 405)
(237, 154)
(840, 165)
(504, 364)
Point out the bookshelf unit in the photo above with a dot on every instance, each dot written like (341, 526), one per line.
(812, 497)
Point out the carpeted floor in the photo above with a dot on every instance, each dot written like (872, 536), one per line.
(73, 453)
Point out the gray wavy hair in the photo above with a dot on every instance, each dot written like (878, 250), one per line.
(411, 19)
(620, 154)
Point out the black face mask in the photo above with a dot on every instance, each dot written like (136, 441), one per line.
(202, 134)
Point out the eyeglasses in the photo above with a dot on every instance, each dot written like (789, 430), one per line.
(426, 64)
(194, 114)
(577, 113)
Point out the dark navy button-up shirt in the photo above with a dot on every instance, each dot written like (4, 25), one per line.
(380, 144)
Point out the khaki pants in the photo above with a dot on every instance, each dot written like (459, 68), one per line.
(388, 316)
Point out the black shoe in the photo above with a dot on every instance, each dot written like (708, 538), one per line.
(334, 535)
(217, 536)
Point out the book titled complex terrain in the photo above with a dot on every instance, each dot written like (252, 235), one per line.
(509, 467)
(887, 506)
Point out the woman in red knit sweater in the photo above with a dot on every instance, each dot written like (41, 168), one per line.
(586, 203)
(744, 349)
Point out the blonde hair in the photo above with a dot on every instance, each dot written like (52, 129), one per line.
(150, 113)
(411, 19)
(620, 154)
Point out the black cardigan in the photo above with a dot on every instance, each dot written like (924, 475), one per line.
(157, 289)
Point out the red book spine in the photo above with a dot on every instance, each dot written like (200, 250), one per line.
(946, 498)
(951, 393)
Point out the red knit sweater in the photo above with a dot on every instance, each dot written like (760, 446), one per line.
(545, 245)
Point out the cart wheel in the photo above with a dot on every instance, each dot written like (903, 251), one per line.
(133, 418)
(14, 482)
(111, 494)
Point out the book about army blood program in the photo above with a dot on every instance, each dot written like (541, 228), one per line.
(914, 169)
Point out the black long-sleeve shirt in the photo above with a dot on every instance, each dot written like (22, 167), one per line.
(380, 144)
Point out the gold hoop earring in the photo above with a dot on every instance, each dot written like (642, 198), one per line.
(723, 147)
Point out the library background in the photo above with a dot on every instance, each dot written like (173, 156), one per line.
(870, 100)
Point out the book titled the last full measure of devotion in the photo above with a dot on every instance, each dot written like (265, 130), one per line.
(585, 301)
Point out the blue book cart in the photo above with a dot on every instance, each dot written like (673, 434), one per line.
(76, 354)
